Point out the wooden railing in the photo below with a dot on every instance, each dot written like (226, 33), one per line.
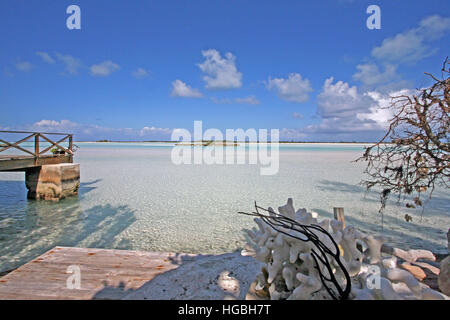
(36, 137)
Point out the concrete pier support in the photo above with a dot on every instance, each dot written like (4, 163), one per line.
(53, 182)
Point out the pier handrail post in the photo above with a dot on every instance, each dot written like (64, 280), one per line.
(36, 148)
(70, 142)
(36, 145)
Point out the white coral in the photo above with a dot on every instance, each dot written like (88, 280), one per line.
(290, 271)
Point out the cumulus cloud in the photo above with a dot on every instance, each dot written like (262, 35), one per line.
(370, 74)
(372, 78)
(350, 115)
(379, 112)
(293, 88)
(181, 89)
(24, 66)
(221, 72)
(346, 114)
(46, 57)
(140, 73)
(71, 63)
(413, 44)
(340, 100)
(104, 68)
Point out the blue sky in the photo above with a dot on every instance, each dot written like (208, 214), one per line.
(138, 69)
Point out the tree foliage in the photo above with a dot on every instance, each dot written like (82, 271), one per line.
(413, 156)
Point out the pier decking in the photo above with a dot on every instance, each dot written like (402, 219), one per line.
(21, 163)
(104, 273)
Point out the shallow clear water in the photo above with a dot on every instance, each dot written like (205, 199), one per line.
(133, 197)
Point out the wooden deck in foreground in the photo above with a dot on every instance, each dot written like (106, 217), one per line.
(105, 274)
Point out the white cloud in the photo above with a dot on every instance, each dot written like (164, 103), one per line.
(247, 100)
(292, 134)
(293, 88)
(72, 64)
(104, 68)
(145, 131)
(369, 74)
(54, 123)
(94, 132)
(404, 47)
(221, 73)
(434, 27)
(381, 112)
(140, 73)
(181, 89)
(345, 113)
(372, 78)
(340, 100)
(46, 57)
(24, 66)
(412, 45)
(349, 115)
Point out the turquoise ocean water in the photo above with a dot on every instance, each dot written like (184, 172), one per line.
(133, 197)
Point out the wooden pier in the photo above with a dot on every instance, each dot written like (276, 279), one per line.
(49, 173)
(104, 273)
(34, 157)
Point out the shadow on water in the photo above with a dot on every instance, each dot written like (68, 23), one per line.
(405, 237)
(32, 227)
(437, 206)
(86, 187)
(328, 185)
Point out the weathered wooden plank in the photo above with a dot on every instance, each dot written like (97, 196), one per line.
(21, 163)
(105, 273)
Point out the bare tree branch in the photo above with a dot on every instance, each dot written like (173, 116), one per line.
(413, 156)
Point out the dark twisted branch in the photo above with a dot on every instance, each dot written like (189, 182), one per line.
(280, 223)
